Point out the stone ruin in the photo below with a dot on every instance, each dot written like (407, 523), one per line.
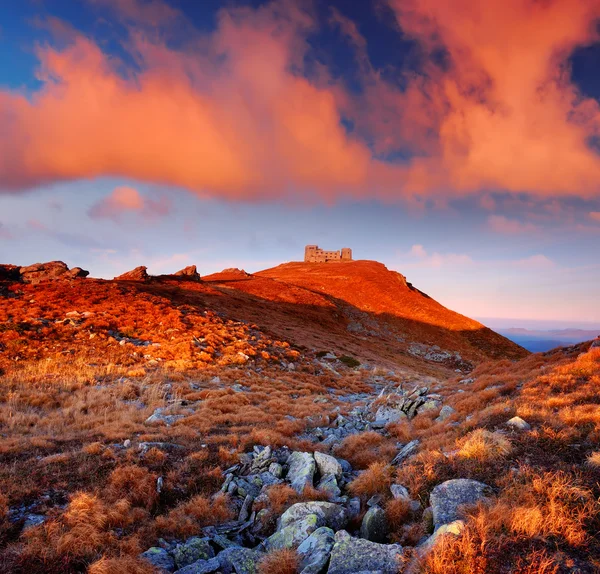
(314, 254)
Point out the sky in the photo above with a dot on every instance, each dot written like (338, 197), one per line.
(456, 142)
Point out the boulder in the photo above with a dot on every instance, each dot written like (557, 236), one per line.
(447, 498)
(159, 558)
(519, 424)
(315, 550)
(41, 272)
(301, 470)
(190, 272)
(386, 415)
(238, 560)
(331, 515)
(329, 485)
(327, 464)
(137, 274)
(445, 412)
(192, 550)
(451, 529)
(406, 452)
(293, 534)
(77, 273)
(201, 567)
(374, 526)
(352, 555)
(159, 417)
(399, 491)
(9, 273)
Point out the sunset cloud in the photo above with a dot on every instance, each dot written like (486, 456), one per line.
(236, 113)
(124, 200)
(436, 259)
(502, 224)
(595, 215)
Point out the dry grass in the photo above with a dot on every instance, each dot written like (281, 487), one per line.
(483, 445)
(377, 479)
(279, 562)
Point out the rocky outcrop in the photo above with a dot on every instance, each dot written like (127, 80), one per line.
(190, 272)
(447, 498)
(9, 273)
(137, 274)
(400, 404)
(50, 271)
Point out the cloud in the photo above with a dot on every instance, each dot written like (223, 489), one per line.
(502, 224)
(436, 259)
(236, 113)
(595, 215)
(535, 261)
(4, 232)
(124, 200)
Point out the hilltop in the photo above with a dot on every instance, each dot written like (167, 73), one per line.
(324, 414)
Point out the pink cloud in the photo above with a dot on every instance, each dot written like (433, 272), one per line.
(502, 224)
(124, 200)
(535, 261)
(595, 215)
(436, 259)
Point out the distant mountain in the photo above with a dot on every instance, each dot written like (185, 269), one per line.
(538, 341)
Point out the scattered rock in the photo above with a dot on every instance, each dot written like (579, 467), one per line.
(77, 273)
(327, 464)
(399, 491)
(137, 274)
(352, 555)
(159, 558)
(315, 550)
(329, 514)
(158, 417)
(405, 452)
(238, 560)
(192, 550)
(201, 567)
(454, 528)
(329, 485)
(293, 534)
(445, 412)
(447, 498)
(374, 526)
(190, 272)
(519, 424)
(301, 470)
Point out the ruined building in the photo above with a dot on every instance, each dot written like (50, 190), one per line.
(314, 254)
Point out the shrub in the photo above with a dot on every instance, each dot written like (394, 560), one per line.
(483, 445)
(377, 479)
(349, 361)
(279, 562)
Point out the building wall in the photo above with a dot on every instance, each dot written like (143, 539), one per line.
(314, 254)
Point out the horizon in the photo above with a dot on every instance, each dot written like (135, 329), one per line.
(167, 133)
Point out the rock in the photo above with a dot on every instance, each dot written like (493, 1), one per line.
(276, 469)
(9, 273)
(386, 415)
(519, 424)
(190, 272)
(33, 520)
(330, 514)
(327, 464)
(158, 417)
(399, 491)
(137, 274)
(352, 555)
(315, 550)
(353, 508)
(447, 498)
(40, 272)
(329, 485)
(405, 452)
(238, 560)
(454, 528)
(192, 550)
(374, 526)
(445, 412)
(301, 470)
(293, 534)
(77, 273)
(201, 567)
(159, 558)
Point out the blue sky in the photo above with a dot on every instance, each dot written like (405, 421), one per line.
(232, 134)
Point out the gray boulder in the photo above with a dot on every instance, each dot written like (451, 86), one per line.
(374, 526)
(328, 464)
(445, 412)
(353, 555)
(159, 558)
(192, 550)
(201, 567)
(332, 515)
(447, 498)
(386, 415)
(519, 424)
(315, 550)
(399, 491)
(301, 470)
(451, 529)
(329, 485)
(293, 534)
(238, 560)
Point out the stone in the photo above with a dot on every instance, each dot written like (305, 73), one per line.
(332, 515)
(33, 520)
(301, 470)
(386, 415)
(353, 508)
(374, 526)
(159, 558)
(447, 498)
(327, 464)
(445, 412)
(406, 452)
(41, 272)
(329, 485)
(238, 560)
(190, 272)
(293, 534)
(77, 273)
(315, 550)
(519, 424)
(352, 555)
(158, 417)
(192, 550)
(399, 491)
(201, 567)
(454, 528)
(137, 274)
(9, 272)
(276, 469)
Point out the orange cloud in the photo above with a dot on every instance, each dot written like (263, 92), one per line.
(127, 199)
(595, 215)
(231, 113)
(502, 224)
